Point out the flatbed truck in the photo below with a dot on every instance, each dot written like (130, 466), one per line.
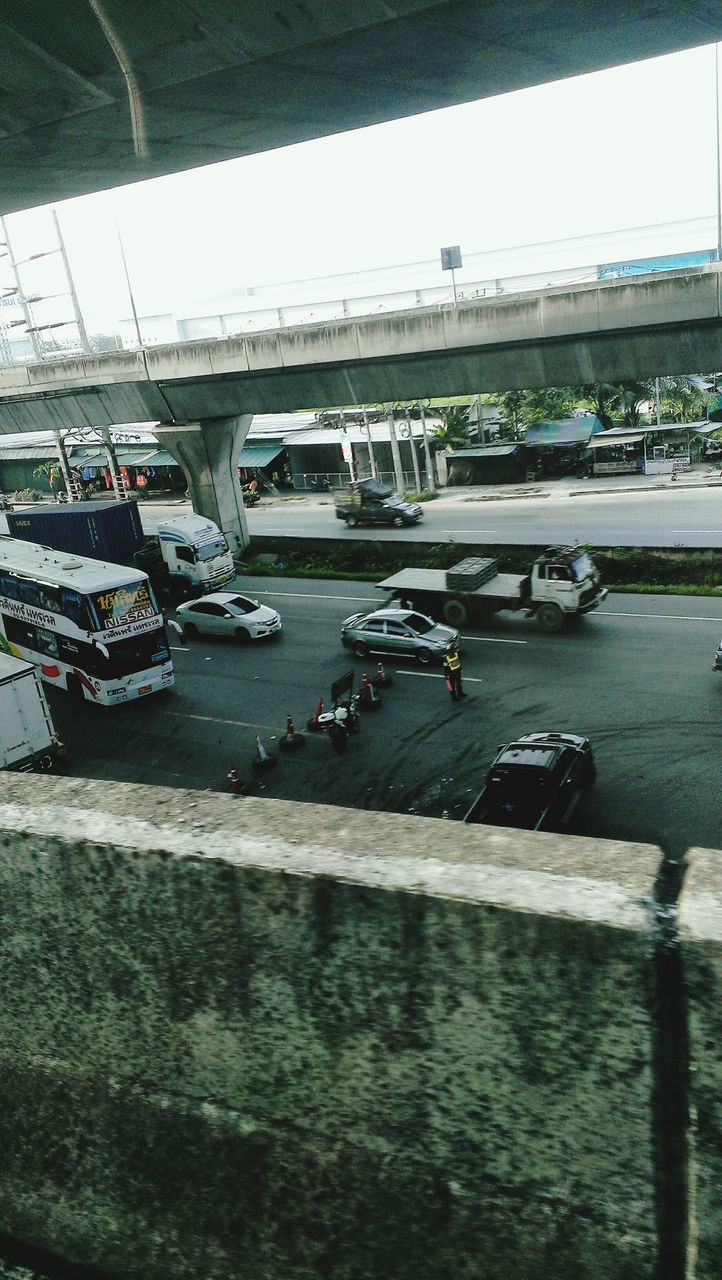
(561, 584)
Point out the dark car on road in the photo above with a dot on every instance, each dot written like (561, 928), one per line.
(371, 502)
(536, 782)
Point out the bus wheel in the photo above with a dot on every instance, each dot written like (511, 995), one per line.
(455, 613)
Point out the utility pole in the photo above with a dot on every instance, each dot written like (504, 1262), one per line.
(395, 453)
(414, 455)
(71, 483)
(130, 291)
(367, 429)
(119, 486)
(719, 172)
(427, 451)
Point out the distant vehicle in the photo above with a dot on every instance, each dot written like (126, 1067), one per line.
(28, 741)
(370, 502)
(92, 628)
(562, 583)
(536, 782)
(397, 631)
(225, 613)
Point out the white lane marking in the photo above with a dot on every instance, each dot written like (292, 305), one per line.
(697, 531)
(243, 724)
(315, 595)
(493, 640)
(676, 617)
(468, 530)
(431, 675)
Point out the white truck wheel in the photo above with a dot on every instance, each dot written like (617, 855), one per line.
(550, 617)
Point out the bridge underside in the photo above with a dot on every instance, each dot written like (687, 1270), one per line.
(168, 86)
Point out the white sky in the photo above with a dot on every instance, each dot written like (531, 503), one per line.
(613, 150)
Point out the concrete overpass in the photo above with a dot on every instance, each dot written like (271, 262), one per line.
(98, 93)
(204, 394)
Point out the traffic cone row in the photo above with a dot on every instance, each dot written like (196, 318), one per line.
(368, 700)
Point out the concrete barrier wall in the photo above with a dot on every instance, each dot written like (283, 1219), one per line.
(245, 1039)
(700, 925)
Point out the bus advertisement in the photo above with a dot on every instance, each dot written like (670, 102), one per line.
(92, 628)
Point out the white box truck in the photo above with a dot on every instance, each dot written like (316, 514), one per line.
(28, 740)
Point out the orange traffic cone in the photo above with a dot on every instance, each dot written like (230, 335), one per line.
(381, 680)
(368, 700)
(291, 740)
(234, 782)
(263, 759)
(313, 724)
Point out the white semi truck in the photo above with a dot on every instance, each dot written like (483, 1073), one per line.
(28, 741)
(561, 584)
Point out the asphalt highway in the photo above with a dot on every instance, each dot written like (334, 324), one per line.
(647, 517)
(636, 677)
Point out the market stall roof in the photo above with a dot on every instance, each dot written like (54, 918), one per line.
(259, 455)
(607, 438)
(485, 451)
(564, 430)
(126, 458)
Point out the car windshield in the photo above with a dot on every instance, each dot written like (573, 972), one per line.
(210, 549)
(419, 623)
(244, 605)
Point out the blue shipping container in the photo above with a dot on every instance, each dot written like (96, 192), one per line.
(108, 531)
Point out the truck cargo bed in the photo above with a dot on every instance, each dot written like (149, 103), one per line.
(504, 586)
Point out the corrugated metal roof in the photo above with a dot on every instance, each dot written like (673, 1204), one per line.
(258, 455)
(485, 451)
(564, 431)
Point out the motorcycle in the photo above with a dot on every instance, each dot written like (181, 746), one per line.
(5, 503)
(341, 723)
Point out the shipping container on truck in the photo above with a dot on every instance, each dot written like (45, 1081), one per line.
(109, 531)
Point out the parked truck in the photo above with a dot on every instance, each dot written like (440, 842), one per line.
(371, 502)
(28, 741)
(536, 782)
(190, 555)
(561, 584)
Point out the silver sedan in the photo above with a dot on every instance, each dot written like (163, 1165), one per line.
(397, 631)
(225, 613)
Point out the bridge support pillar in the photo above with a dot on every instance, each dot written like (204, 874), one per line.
(208, 453)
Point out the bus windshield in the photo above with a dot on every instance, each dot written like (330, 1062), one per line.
(136, 654)
(120, 605)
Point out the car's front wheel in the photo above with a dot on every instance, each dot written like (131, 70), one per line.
(351, 522)
(190, 630)
(242, 636)
(425, 656)
(360, 649)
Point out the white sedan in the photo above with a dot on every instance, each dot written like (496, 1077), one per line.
(225, 613)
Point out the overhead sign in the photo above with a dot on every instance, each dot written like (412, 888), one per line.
(451, 258)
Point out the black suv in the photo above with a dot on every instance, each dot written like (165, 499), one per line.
(536, 782)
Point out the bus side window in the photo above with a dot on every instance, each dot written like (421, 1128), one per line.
(20, 633)
(8, 586)
(47, 642)
(74, 606)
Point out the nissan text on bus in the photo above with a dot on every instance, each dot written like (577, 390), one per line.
(92, 628)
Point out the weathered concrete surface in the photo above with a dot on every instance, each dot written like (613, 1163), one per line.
(700, 925)
(227, 80)
(244, 1039)
(604, 331)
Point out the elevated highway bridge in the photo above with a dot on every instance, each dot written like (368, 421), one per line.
(205, 393)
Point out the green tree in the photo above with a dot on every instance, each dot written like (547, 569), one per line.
(601, 397)
(511, 404)
(549, 404)
(454, 430)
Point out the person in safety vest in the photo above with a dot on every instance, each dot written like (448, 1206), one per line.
(452, 672)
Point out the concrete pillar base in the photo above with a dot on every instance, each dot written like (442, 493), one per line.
(208, 452)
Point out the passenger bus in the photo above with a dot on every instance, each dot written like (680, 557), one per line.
(92, 628)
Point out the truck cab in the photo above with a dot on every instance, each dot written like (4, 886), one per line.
(193, 548)
(562, 581)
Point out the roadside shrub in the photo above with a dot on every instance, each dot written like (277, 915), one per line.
(420, 495)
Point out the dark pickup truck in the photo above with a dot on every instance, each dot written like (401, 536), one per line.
(536, 782)
(370, 502)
